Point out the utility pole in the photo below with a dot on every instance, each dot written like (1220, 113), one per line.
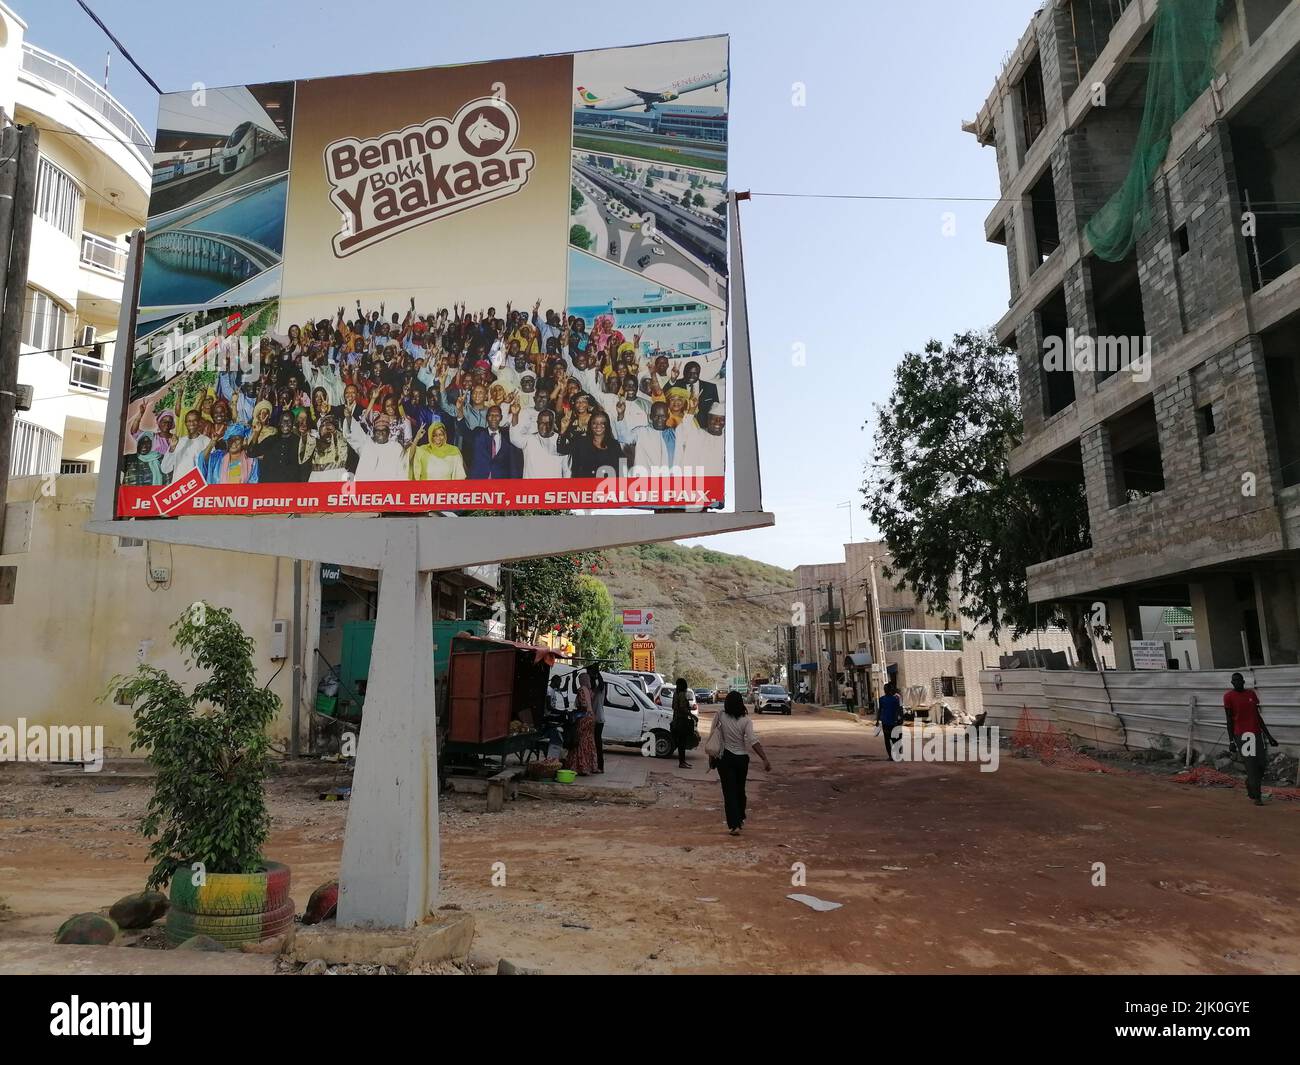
(850, 671)
(878, 631)
(18, 161)
(789, 659)
(832, 682)
(508, 590)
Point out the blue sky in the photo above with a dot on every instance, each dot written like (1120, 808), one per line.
(856, 282)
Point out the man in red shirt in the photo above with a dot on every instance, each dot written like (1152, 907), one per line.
(1247, 731)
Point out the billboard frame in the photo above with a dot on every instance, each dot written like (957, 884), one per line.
(389, 871)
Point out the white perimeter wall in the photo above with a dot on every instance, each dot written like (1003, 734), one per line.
(1132, 710)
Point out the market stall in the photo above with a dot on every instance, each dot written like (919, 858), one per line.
(495, 700)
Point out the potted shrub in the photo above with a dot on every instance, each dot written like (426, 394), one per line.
(207, 819)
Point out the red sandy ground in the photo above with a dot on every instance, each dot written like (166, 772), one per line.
(940, 868)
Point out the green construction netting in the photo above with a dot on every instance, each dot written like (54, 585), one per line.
(1183, 45)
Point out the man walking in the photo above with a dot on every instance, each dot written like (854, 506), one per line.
(890, 716)
(1246, 735)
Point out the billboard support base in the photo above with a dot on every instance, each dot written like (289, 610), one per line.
(391, 853)
(389, 874)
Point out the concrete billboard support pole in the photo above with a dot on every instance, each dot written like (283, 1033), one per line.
(389, 873)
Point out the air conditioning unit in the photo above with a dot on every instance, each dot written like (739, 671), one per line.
(86, 337)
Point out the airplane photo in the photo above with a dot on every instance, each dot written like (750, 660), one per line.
(649, 97)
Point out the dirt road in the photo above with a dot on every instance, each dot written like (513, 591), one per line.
(940, 868)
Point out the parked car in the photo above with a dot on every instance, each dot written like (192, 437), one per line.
(651, 682)
(629, 715)
(666, 693)
(639, 681)
(772, 697)
(704, 695)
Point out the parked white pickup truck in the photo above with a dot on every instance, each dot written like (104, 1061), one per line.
(630, 717)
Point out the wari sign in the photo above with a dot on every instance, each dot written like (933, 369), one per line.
(490, 286)
(1149, 654)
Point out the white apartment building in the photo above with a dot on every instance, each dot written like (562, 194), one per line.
(92, 190)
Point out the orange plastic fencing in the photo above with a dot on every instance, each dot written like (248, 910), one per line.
(1042, 740)
(1204, 776)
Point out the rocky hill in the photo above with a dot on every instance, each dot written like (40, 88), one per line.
(705, 602)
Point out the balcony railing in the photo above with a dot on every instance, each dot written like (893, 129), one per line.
(103, 254)
(63, 74)
(35, 451)
(90, 374)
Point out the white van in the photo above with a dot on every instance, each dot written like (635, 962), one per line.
(629, 715)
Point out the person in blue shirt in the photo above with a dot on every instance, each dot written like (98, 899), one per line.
(890, 715)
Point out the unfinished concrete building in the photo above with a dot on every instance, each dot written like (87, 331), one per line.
(1191, 467)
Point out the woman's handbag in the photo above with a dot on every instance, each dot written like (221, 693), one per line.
(713, 747)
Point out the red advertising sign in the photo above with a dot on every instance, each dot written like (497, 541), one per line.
(191, 495)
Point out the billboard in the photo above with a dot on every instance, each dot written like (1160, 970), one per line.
(492, 286)
(638, 621)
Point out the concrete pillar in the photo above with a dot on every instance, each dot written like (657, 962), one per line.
(389, 873)
(1278, 595)
(1125, 621)
(1217, 617)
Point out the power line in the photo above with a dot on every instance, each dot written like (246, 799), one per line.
(120, 47)
(867, 197)
(94, 136)
(891, 198)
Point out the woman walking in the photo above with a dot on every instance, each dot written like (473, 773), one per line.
(582, 757)
(735, 733)
(683, 726)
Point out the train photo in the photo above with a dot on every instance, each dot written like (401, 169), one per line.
(246, 143)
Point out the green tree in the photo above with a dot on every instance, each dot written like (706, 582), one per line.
(720, 208)
(595, 633)
(698, 200)
(649, 182)
(960, 528)
(575, 199)
(580, 237)
(208, 747)
(686, 198)
(548, 594)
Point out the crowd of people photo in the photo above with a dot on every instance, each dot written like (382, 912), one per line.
(446, 396)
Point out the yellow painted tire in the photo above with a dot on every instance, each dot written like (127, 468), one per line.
(231, 894)
(229, 930)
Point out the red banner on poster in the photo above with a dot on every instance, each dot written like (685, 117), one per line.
(313, 497)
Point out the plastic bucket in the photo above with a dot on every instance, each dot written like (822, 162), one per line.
(565, 776)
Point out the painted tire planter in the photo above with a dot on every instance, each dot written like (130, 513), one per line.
(231, 894)
(232, 908)
(229, 930)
